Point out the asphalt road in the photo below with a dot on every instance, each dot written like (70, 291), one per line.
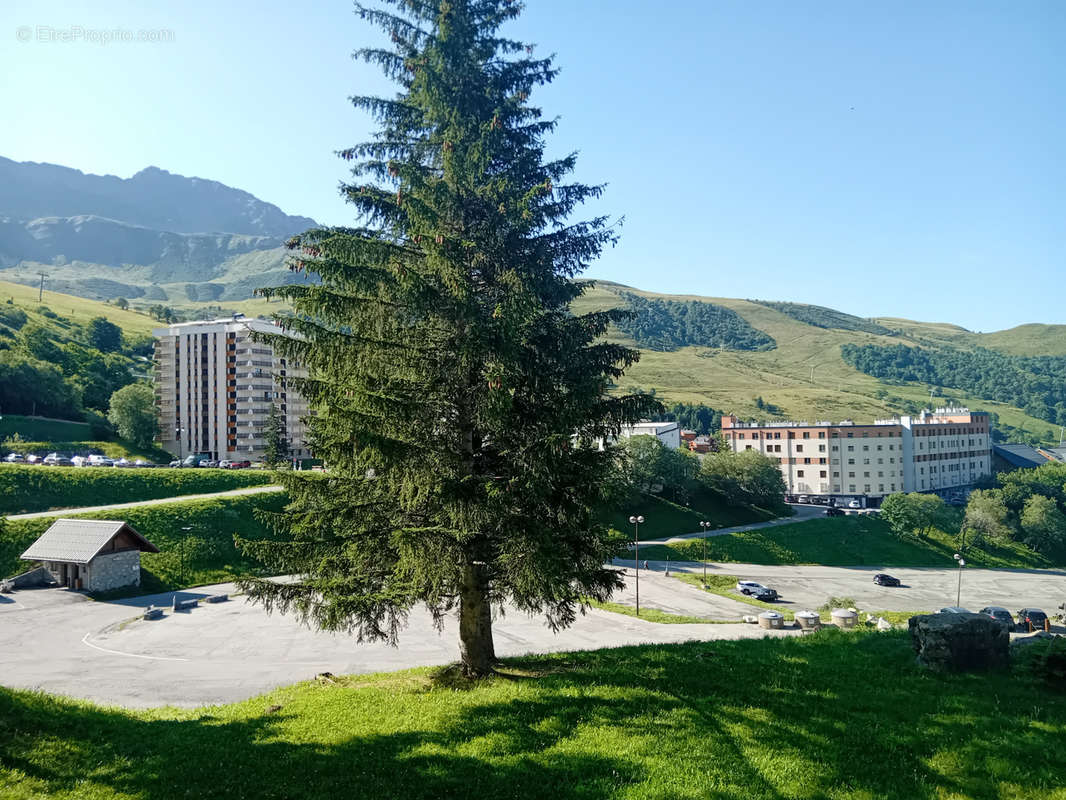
(802, 514)
(57, 641)
(62, 512)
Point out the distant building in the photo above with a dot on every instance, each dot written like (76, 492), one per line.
(669, 433)
(942, 451)
(91, 554)
(1008, 457)
(215, 388)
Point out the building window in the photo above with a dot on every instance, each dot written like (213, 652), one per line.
(865, 448)
(866, 474)
(851, 488)
(851, 475)
(821, 434)
(821, 473)
(851, 448)
(799, 448)
(821, 448)
(799, 473)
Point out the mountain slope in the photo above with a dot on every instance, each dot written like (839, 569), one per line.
(153, 198)
(804, 376)
(155, 236)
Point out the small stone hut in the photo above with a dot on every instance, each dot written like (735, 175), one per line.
(90, 554)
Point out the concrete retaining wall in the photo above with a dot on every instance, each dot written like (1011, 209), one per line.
(35, 577)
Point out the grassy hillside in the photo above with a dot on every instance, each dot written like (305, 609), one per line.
(202, 555)
(847, 716)
(845, 542)
(77, 309)
(804, 374)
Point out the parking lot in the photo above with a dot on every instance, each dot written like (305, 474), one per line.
(803, 587)
(60, 642)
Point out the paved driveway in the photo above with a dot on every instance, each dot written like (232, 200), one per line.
(57, 641)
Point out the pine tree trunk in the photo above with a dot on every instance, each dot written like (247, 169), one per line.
(476, 650)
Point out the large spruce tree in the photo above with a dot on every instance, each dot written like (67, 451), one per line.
(458, 402)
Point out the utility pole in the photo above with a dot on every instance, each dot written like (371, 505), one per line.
(40, 291)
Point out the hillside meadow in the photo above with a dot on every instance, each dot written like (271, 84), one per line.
(836, 715)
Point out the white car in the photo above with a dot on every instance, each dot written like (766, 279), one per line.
(79, 461)
(100, 461)
(122, 462)
(15, 458)
(854, 504)
(749, 587)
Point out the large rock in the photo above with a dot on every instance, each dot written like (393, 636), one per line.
(960, 642)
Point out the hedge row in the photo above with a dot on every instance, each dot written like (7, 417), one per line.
(26, 488)
(209, 554)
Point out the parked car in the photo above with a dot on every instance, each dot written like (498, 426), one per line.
(749, 587)
(833, 511)
(209, 463)
(1000, 613)
(174, 463)
(79, 461)
(225, 464)
(97, 460)
(33, 459)
(854, 504)
(15, 458)
(140, 462)
(955, 610)
(1031, 616)
(245, 464)
(765, 593)
(884, 579)
(802, 499)
(57, 460)
(123, 462)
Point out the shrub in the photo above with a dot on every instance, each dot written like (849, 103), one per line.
(838, 602)
(29, 488)
(1044, 662)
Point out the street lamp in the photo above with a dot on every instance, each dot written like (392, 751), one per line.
(177, 434)
(636, 520)
(958, 591)
(705, 526)
(184, 532)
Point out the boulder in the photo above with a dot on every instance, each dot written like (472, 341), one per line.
(960, 642)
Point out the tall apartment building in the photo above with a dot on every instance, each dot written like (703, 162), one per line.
(938, 451)
(215, 387)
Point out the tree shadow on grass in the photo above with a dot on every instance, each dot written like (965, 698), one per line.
(833, 714)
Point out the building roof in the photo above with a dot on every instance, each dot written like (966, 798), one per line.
(1020, 455)
(78, 541)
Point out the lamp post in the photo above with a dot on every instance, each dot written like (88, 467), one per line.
(177, 434)
(958, 591)
(636, 520)
(705, 526)
(184, 532)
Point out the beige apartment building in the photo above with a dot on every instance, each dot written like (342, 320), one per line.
(215, 388)
(941, 451)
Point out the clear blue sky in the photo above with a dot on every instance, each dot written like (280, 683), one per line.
(899, 158)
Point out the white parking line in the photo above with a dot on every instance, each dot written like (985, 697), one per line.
(85, 641)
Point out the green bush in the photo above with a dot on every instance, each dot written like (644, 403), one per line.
(209, 554)
(1044, 662)
(29, 488)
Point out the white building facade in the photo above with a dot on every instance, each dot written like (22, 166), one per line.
(215, 389)
(938, 451)
(669, 433)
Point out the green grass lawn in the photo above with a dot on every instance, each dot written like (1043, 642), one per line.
(649, 614)
(845, 716)
(663, 518)
(203, 555)
(42, 429)
(842, 542)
